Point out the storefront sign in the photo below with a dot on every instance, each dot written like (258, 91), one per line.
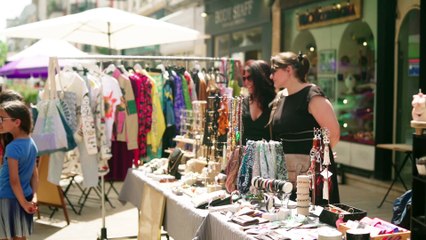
(231, 15)
(325, 15)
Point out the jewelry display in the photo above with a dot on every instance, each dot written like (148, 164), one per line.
(198, 108)
(222, 133)
(303, 199)
(186, 123)
(315, 156)
(326, 162)
(320, 164)
(267, 191)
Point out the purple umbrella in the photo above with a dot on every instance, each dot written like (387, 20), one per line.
(34, 60)
(20, 69)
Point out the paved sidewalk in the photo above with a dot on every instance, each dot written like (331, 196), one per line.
(121, 221)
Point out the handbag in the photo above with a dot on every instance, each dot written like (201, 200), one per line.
(49, 132)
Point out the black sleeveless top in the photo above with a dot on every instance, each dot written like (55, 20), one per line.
(254, 130)
(293, 124)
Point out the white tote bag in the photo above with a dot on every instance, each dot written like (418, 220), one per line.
(49, 133)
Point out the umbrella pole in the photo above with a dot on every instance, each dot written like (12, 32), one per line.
(103, 229)
(109, 38)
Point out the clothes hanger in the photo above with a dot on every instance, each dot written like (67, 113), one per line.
(137, 68)
(197, 66)
(110, 69)
(91, 68)
(67, 68)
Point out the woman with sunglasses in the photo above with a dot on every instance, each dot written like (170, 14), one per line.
(297, 113)
(255, 109)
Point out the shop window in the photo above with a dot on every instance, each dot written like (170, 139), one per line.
(221, 46)
(305, 43)
(356, 83)
(246, 38)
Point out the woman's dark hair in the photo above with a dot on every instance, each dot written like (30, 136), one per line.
(299, 61)
(18, 110)
(264, 91)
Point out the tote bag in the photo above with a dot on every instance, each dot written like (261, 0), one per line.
(49, 132)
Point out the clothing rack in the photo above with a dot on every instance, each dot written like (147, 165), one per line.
(102, 58)
(159, 58)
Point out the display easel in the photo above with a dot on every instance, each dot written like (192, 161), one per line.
(49, 194)
(105, 58)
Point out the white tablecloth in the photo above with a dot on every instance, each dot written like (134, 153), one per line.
(181, 219)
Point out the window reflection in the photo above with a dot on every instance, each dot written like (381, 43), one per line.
(247, 37)
(221, 46)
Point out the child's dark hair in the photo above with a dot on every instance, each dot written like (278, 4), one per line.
(10, 95)
(18, 110)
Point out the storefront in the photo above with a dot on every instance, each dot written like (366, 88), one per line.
(239, 29)
(340, 39)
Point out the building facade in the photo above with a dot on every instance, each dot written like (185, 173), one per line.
(366, 56)
(239, 29)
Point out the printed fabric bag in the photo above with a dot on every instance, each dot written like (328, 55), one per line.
(69, 131)
(68, 103)
(49, 132)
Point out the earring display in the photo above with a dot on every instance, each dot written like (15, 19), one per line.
(186, 123)
(322, 168)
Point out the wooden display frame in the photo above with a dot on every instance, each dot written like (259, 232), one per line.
(49, 194)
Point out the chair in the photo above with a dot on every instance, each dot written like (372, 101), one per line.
(67, 181)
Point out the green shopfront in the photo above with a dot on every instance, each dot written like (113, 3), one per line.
(240, 29)
(340, 39)
(366, 58)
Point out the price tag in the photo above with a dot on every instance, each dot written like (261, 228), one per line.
(316, 210)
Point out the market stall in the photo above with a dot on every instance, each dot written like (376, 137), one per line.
(245, 195)
(88, 113)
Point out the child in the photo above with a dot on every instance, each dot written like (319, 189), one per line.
(7, 95)
(18, 173)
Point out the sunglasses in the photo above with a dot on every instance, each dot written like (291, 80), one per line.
(3, 118)
(276, 68)
(245, 78)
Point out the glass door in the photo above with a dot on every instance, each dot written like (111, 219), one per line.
(407, 81)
